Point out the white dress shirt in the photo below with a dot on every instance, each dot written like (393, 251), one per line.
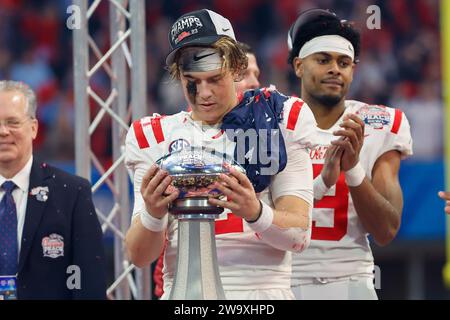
(22, 181)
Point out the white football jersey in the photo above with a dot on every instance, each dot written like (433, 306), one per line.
(242, 257)
(339, 246)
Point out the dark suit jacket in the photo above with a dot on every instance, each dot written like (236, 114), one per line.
(60, 232)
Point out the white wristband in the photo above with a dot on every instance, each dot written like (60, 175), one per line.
(320, 188)
(355, 176)
(265, 219)
(153, 224)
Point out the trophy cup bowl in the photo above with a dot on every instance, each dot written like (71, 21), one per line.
(194, 170)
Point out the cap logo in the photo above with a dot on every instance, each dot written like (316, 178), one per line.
(197, 58)
(179, 31)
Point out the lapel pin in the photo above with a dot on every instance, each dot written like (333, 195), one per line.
(41, 193)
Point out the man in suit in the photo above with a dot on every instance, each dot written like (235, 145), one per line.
(50, 237)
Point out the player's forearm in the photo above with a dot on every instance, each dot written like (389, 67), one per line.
(379, 216)
(289, 229)
(295, 238)
(291, 219)
(143, 246)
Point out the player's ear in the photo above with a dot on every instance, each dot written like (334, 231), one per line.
(298, 66)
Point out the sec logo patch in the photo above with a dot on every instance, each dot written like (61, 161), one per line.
(178, 145)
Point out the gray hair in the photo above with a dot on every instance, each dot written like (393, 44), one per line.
(9, 85)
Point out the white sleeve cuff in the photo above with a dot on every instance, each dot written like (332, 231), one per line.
(153, 224)
(355, 176)
(265, 219)
(320, 188)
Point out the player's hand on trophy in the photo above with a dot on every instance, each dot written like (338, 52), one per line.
(241, 196)
(353, 133)
(332, 165)
(157, 191)
(446, 196)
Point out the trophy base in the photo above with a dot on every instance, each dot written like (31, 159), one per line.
(194, 208)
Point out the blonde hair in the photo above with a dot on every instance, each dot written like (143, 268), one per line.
(234, 58)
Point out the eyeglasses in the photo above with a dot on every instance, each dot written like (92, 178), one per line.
(14, 124)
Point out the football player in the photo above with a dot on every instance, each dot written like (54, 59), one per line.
(268, 215)
(356, 164)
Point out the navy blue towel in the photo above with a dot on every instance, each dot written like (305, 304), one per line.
(259, 109)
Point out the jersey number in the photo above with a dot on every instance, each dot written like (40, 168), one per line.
(231, 224)
(339, 203)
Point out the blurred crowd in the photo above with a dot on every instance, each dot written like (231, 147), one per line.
(400, 65)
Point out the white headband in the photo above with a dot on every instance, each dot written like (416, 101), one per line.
(327, 43)
(198, 59)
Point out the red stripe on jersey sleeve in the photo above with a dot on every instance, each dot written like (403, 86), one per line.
(397, 121)
(140, 136)
(157, 129)
(293, 115)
